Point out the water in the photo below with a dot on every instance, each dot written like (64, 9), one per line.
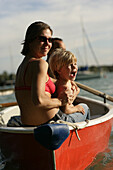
(104, 160)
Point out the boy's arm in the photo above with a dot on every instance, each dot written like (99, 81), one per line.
(69, 109)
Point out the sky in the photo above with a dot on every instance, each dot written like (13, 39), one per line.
(68, 19)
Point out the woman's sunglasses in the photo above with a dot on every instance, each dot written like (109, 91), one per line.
(44, 39)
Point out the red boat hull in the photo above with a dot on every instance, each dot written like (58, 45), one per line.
(77, 155)
(22, 151)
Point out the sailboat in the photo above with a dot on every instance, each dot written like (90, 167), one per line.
(83, 71)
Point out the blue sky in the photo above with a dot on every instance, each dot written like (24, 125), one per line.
(66, 18)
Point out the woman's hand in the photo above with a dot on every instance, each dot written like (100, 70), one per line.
(66, 96)
(75, 90)
(63, 97)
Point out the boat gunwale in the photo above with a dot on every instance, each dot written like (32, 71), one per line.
(80, 125)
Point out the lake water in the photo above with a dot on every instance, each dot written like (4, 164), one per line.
(104, 160)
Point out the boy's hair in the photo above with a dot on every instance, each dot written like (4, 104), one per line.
(59, 58)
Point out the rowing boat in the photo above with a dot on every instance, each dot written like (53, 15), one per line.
(19, 146)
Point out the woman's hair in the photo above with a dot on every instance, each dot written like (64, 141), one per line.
(59, 58)
(33, 31)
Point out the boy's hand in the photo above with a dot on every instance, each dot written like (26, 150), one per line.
(79, 108)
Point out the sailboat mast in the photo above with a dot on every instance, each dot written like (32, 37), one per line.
(90, 46)
(84, 44)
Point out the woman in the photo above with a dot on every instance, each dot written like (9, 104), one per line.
(33, 86)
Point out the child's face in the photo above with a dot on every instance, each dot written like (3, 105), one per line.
(69, 71)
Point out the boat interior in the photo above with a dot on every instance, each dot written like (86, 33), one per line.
(97, 110)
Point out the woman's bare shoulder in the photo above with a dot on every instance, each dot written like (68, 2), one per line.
(39, 64)
(38, 61)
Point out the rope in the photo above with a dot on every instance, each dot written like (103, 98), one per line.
(74, 125)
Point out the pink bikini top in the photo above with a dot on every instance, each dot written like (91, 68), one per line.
(49, 85)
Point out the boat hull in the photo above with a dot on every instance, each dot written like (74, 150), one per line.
(77, 155)
(21, 150)
(87, 76)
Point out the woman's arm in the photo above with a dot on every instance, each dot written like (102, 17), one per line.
(39, 97)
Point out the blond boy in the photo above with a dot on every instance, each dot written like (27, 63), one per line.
(63, 65)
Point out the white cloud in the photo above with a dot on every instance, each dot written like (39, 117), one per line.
(64, 18)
